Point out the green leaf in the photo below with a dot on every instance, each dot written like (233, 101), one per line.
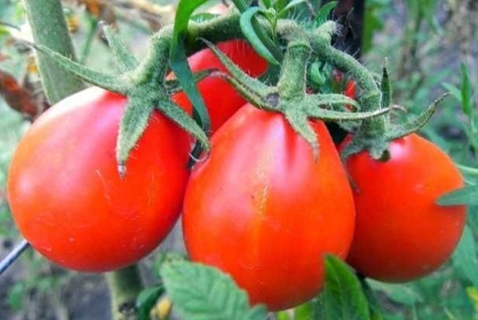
(403, 294)
(289, 6)
(179, 63)
(466, 92)
(267, 3)
(146, 301)
(203, 16)
(173, 86)
(455, 92)
(342, 296)
(464, 257)
(251, 33)
(204, 293)
(386, 87)
(324, 12)
(467, 196)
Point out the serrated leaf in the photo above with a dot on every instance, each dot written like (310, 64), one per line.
(204, 293)
(179, 63)
(466, 196)
(342, 296)
(250, 31)
(464, 257)
(146, 301)
(325, 11)
(125, 60)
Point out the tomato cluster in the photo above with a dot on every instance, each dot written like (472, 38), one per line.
(261, 206)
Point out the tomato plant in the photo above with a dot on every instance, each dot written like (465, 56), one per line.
(401, 234)
(67, 197)
(220, 98)
(264, 210)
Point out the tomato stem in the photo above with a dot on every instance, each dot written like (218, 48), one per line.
(49, 28)
(125, 285)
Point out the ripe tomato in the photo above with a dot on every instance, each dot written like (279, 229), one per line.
(220, 98)
(68, 199)
(264, 210)
(401, 234)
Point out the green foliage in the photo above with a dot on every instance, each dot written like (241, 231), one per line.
(204, 293)
(342, 297)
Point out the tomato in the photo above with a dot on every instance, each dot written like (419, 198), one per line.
(220, 98)
(68, 199)
(264, 210)
(350, 89)
(401, 234)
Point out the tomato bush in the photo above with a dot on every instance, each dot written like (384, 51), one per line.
(220, 98)
(401, 234)
(67, 197)
(264, 210)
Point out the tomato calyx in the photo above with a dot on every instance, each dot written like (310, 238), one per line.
(289, 96)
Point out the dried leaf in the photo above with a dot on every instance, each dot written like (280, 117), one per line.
(17, 97)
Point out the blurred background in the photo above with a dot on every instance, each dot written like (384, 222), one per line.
(431, 47)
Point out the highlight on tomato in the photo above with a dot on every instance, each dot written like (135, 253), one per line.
(401, 233)
(220, 98)
(68, 199)
(263, 209)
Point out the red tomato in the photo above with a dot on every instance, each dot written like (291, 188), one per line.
(220, 98)
(401, 234)
(262, 209)
(350, 89)
(68, 199)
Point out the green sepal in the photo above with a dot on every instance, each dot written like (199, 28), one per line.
(173, 86)
(252, 89)
(414, 125)
(335, 99)
(124, 59)
(299, 122)
(183, 120)
(133, 123)
(115, 83)
(235, 71)
(251, 33)
(386, 87)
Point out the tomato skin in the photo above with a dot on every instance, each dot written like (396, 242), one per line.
(220, 98)
(401, 234)
(66, 195)
(263, 210)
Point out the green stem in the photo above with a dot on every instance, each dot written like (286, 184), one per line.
(293, 80)
(49, 29)
(125, 285)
